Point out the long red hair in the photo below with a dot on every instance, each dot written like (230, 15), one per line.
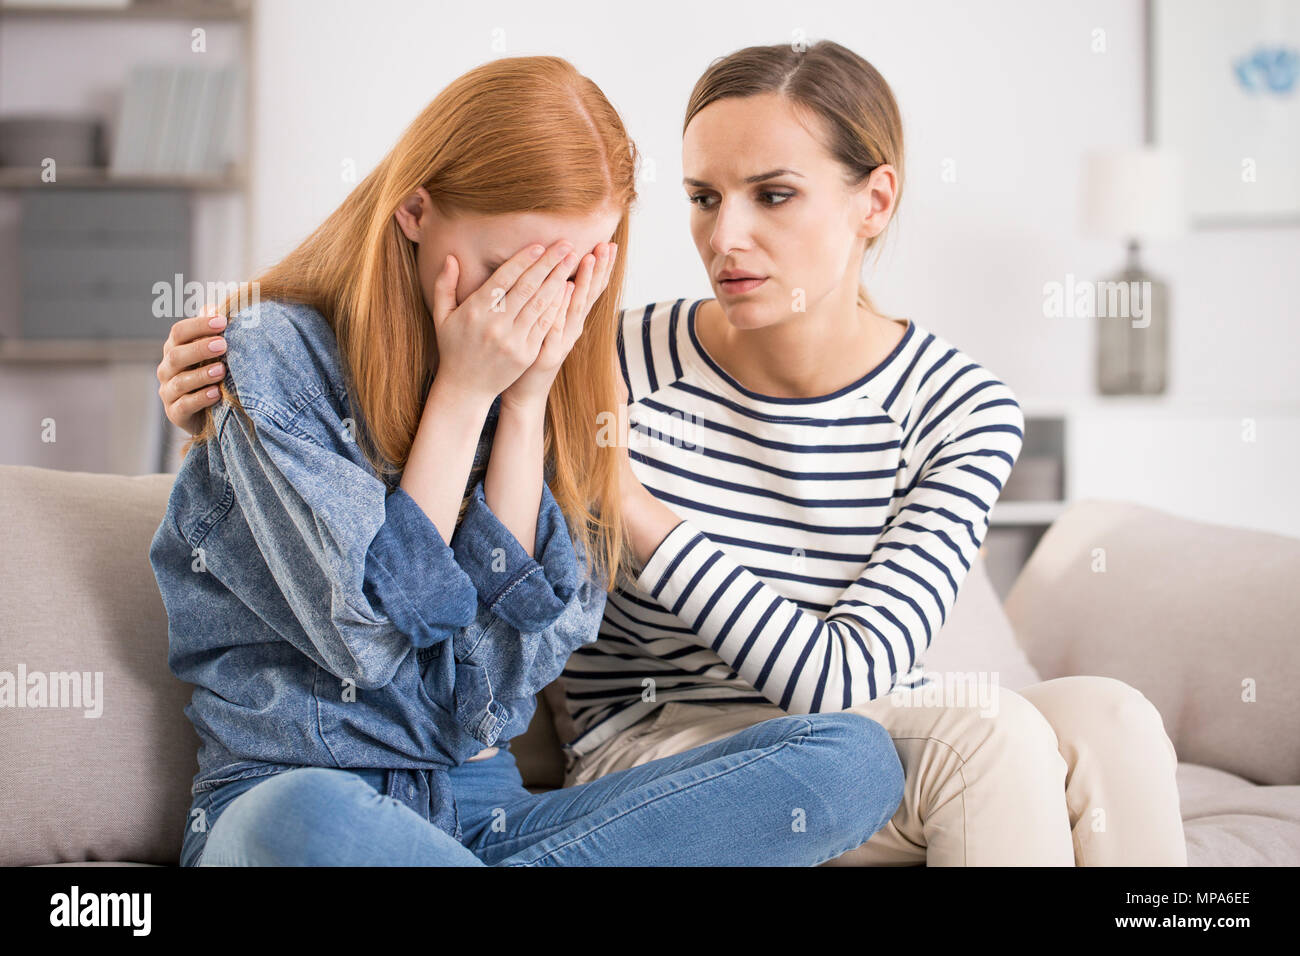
(517, 134)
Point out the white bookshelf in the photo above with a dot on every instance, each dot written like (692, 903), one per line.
(75, 58)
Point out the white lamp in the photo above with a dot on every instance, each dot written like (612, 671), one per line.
(1133, 194)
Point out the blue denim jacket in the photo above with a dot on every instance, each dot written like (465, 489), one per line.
(319, 613)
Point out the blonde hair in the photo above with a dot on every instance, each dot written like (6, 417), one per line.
(517, 134)
(849, 95)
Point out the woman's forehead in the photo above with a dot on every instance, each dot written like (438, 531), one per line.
(504, 235)
(736, 138)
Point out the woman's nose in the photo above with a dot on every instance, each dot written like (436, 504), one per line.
(730, 229)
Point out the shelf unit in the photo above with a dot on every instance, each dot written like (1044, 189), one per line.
(43, 351)
(122, 361)
(149, 10)
(98, 178)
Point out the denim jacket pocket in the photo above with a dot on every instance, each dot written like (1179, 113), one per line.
(480, 709)
(477, 710)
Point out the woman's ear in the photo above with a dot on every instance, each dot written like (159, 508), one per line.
(874, 201)
(413, 213)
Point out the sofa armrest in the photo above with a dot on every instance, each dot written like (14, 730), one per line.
(79, 604)
(1201, 618)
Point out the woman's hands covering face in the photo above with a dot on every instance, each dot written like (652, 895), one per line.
(565, 323)
(510, 336)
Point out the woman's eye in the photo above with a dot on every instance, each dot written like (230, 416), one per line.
(768, 197)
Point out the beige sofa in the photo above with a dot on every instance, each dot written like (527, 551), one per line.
(1200, 618)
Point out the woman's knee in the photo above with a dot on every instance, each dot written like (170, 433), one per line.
(1102, 707)
(255, 827)
(866, 760)
(866, 740)
(1123, 703)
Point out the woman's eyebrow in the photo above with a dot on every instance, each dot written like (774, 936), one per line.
(770, 174)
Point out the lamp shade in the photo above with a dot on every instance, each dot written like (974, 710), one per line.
(1134, 193)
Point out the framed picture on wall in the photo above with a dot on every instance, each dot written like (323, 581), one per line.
(1223, 88)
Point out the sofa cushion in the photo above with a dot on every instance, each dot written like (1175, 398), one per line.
(1201, 618)
(1229, 821)
(79, 596)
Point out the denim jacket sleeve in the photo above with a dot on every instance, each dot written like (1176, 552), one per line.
(527, 593)
(365, 571)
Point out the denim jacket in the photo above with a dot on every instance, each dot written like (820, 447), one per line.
(318, 612)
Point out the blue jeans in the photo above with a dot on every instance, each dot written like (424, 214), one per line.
(790, 791)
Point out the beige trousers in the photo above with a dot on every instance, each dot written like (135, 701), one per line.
(1072, 771)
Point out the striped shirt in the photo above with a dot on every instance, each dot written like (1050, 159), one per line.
(822, 540)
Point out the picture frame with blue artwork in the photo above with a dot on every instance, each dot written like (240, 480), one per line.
(1223, 88)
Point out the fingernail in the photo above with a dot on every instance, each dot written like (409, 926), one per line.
(212, 393)
(216, 322)
(217, 345)
(215, 370)
(535, 251)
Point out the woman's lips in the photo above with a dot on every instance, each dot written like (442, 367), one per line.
(740, 286)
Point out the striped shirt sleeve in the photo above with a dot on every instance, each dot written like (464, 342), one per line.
(884, 621)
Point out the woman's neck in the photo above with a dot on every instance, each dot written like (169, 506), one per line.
(805, 356)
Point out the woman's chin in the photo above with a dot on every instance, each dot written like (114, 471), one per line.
(748, 312)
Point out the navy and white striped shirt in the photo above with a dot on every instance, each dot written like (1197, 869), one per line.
(823, 539)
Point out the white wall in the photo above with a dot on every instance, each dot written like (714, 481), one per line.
(1008, 90)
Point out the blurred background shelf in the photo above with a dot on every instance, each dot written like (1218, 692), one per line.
(27, 177)
(172, 89)
(1026, 513)
(134, 11)
(80, 351)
